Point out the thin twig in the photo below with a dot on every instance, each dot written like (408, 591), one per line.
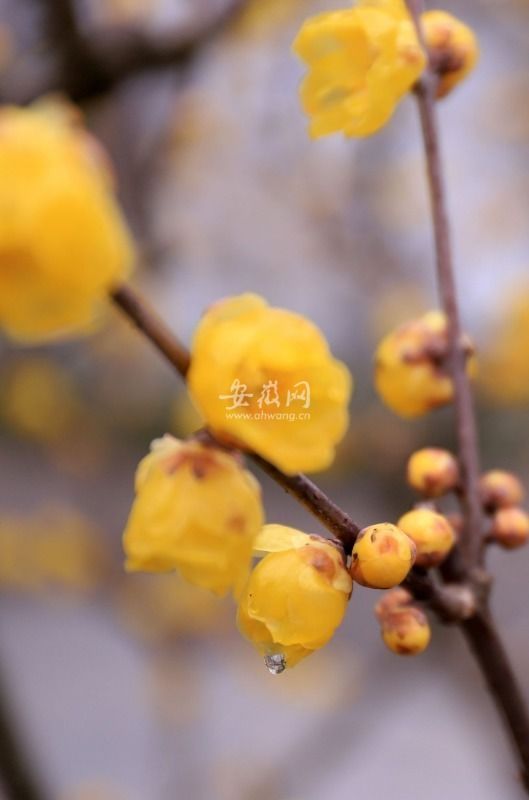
(470, 545)
(480, 631)
(482, 636)
(17, 777)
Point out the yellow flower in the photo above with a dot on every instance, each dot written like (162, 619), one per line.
(432, 471)
(382, 556)
(453, 47)
(265, 378)
(361, 61)
(295, 597)
(63, 242)
(409, 374)
(432, 533)
(196, 511)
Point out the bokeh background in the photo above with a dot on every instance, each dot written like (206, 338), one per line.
(138, 687)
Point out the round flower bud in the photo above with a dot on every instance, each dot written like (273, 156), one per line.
(409, 373)
(391, 601)
(382, 556)
(294, 600)
(500, 489)
(361, 61)
(510, 527)
(433, 472)
(64, 243)
(196, 511)
(433, 535)
(406, 631)
(265, 378)
(453, 48)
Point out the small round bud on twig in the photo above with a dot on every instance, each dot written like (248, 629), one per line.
(382, 556)
(452, 46)
(432, 533)
(500, 489)
(510, 528)
(432, 471)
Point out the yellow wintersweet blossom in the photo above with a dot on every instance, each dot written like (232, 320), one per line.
(409, 373)
(295, 597)
(361, 61)
(265, 378)
(196, 511)
(63, 242)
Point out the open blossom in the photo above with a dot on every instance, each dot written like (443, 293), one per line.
(265, 378)
(196, 511)
(296, 596)
(410, 373)
(361, 61)
(63, 242)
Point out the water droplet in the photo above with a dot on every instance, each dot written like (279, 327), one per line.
(275, 664)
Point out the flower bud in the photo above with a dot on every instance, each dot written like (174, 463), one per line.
(433, 535)
(510, 527)
(410, 375)
(391, 601)
(405, 630)
(196, 511)
(453, 48)
(295, 598)
(382, 556)
(500, 489)
(433, 472)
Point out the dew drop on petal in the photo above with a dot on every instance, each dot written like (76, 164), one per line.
(275, 664)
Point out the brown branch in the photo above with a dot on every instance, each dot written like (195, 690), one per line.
(92, 66)
(470, 545)
(482, 636)
(479, 629)
(16, 773)
(149, 323)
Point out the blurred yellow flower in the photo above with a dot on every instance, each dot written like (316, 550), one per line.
(39, 400)
(361, 61)
(453, 48)
(505, 374)
(55, 546)
(265, 378)
(63, 242)
(409, 373)
(196, 511)
(295, 597)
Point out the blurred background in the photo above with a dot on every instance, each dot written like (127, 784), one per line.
(139, 687)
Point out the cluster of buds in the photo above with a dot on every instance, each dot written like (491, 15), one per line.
(501, 495)
(403, 626)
